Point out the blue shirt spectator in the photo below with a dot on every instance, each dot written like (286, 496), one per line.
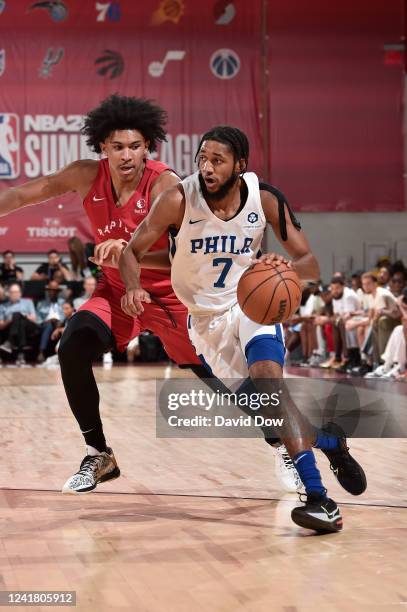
(50, 309)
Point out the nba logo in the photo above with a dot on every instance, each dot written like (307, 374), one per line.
(9, 146)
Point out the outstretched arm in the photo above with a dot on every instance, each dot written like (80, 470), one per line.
(296, 245)
(78, 176)
(167, 211)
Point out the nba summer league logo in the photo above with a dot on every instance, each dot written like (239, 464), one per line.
(9, 146)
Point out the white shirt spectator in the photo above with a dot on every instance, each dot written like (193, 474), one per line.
(349, 302)
(383, 299)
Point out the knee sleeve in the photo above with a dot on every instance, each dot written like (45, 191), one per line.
(85, 337)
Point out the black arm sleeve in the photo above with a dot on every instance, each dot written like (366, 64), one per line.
(282, 202)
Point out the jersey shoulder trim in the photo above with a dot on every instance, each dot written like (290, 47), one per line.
(282, 203)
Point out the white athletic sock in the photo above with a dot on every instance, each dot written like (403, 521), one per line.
(92, 451)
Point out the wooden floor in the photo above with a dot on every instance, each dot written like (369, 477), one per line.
(192, 525)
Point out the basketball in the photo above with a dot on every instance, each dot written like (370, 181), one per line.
(269, 294)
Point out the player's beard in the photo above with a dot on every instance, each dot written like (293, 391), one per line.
(223, 190)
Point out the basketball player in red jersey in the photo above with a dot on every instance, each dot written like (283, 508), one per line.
(117, 193)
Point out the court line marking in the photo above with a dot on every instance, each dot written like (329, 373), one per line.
(188, 495)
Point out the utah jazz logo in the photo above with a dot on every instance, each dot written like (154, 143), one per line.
(9, 146)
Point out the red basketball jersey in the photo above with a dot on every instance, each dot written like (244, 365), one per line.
(110, 221)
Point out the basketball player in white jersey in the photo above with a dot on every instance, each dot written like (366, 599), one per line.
(217, 218)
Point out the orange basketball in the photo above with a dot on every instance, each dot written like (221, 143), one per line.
(269, 294)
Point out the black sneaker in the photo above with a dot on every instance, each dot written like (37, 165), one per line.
(361, 370)
(347, 470)
(319, 513)
(346, 367)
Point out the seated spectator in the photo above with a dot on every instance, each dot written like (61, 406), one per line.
(384, 314)
(383, 277)
(324, 326)
(397, 283)
(49, 314)
(356, 282)
(360, 323)
(18, 321)
(68, 310)
(345, 303)
(9, 271)
(2, 294)
(308, 333)
(394, 356)
(89, 286)
(79, 262)
(47, 271)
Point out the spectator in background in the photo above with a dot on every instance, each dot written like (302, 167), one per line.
(384, 314)
(345, 304)
(79, 262)
(383, 277)
(68, 310)
(9, 271)
(324, 326)
(18, 321)
(394, 356)
(47, 271)
(397, 283)
(308, 333)
(2, 294)
(356, 282)
(360, 323)
(89, 286)
(49, 315)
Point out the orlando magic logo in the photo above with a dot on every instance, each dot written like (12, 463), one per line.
(9, 146)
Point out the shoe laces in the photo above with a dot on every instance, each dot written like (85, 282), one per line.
(288, 462)
(90, 464)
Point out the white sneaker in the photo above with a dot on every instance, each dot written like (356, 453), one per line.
(377, 373)
(285, 471)
(107, 359)
(93, 469)
(392, 373)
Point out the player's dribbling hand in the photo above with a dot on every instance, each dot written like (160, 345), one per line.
(272, 259)
(131, 301)
(107, 253)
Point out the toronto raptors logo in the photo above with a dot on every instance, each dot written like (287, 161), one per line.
(140, 206)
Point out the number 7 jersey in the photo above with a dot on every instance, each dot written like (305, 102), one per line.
(209, 255)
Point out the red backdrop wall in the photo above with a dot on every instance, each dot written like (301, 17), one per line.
(334, 99)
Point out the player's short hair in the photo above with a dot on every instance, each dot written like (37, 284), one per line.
(53, 251)
(8, 252)
(125, 113)
(234, 138)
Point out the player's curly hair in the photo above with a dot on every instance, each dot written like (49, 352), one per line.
(231, 136)
(125, 113)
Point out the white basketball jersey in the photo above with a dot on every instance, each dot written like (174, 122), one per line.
(209, 255)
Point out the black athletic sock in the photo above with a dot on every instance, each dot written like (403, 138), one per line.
(85, 339)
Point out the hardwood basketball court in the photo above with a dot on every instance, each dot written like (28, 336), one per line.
(193, 524)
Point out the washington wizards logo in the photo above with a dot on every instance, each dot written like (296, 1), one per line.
(252, 217)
